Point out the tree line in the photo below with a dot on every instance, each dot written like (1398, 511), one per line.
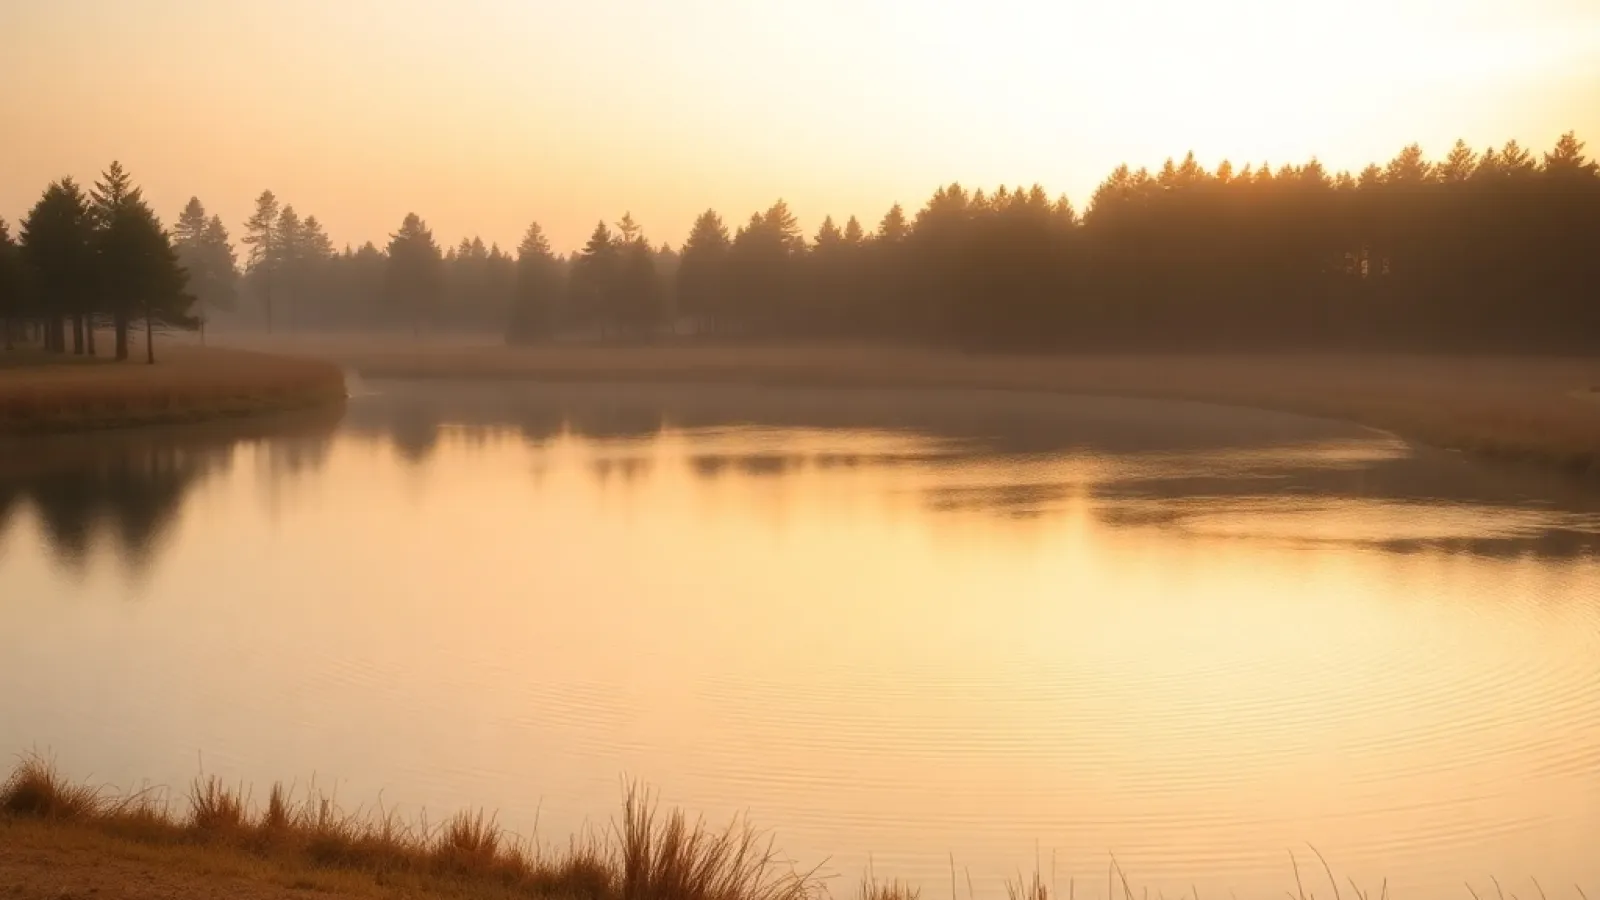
(1491, 250)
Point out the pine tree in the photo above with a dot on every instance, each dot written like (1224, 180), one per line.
(628, 230)
(782, 225)
(1515, 161)
(413, 280)
(500, 289)
(290, 263)
(829, 237)
(1567, 158)
(593, 282)
(538, 288)
(114, 189)
(191, 224)
(137, 255)
(666, 264)
(206, 253)
(1459, 165)
(303, 252)
(264, 258)
(222, 269)
(315, 243)
(637, 304)
(58, 248)
(703, 270)
(893, 227)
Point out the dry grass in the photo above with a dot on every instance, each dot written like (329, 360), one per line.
(217, 843)
(36, 789)
(188, 383)
(1536, 408)
(891, 889)
(648, 856)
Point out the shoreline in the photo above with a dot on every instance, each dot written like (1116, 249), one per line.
(189, 384)
(1541, 410)
(68, 839)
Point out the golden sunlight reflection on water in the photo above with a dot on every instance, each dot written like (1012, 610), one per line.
(893, 626)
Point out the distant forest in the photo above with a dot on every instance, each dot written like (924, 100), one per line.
(1497, 250)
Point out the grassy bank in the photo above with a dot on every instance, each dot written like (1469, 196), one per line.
(1526, 408)
(63, 839)
(41, 394)
(215, 839)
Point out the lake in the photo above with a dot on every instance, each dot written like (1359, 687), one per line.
(929, 632)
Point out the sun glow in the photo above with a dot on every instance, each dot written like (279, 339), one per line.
(483, 114)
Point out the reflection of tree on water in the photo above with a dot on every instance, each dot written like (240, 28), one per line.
(1151, 456)
(130, 500)
(10, 496)
(615, 421)
(125, 490)
(1466, 505)
(293, 455)
(413, 418)
(415, 436)
(627, 469)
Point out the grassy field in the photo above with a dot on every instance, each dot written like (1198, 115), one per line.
(1545, 409)
(51, 393)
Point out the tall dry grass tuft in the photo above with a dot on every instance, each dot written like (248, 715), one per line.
(893, 889)
(1032, 889)
(670, 859)
(216, 808)
(37, 790)
(142, 816)
(275, 819)
(472, 841)
(585, 870)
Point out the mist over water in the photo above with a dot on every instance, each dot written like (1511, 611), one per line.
(889, 625)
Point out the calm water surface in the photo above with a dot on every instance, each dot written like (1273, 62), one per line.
(892, 626)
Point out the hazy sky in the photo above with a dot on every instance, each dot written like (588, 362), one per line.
(484, 114)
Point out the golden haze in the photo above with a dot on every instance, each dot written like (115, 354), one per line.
(484, 114)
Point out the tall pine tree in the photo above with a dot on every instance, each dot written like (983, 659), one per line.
(137, 255)
(207, 255)
(266, 253)
(58, 247)
(413, 281)
(539, 288)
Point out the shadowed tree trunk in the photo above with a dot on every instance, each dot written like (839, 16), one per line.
(88, 334)
(77, 335)
(149, 339)
(122, 335)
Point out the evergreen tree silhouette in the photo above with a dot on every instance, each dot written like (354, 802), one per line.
(58, 248)
(264, 258)
(206, 253)
(413, 280)
(593, 283)
(539, 288)
(136, 255)
(703, 272)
